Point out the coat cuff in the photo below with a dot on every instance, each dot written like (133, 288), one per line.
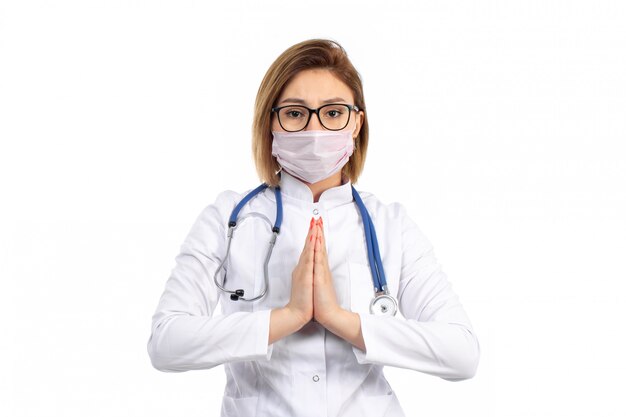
(368, 329)
(263, 350)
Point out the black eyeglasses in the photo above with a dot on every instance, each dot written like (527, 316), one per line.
(293, 118)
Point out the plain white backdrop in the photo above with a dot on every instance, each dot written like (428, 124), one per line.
(499, 124)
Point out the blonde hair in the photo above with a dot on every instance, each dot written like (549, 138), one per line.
(310, 54)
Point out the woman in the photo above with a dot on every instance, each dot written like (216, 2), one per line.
(308, 343)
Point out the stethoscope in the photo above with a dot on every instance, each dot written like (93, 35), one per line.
(383, 302)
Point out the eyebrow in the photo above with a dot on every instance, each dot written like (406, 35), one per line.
(300, 101)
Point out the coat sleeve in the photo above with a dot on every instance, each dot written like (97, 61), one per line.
(186, 334)
(435, 335)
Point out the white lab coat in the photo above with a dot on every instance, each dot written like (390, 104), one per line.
(311, 372)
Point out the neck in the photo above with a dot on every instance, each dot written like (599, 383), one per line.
(319, 187)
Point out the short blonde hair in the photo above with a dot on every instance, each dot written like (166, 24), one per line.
(310, 54)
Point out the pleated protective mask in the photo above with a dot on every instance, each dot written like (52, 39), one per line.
(312, 155)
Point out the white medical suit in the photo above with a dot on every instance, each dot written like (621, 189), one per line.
(311, 372)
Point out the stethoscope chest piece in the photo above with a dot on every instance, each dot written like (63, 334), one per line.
(384, 305)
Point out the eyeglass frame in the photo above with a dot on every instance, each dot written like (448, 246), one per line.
(316, 111)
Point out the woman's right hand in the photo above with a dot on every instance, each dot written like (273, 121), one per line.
(301, 301)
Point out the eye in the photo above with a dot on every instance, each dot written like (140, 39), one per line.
(333, 112)
(294, 113)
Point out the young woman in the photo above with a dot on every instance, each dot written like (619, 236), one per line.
(308, 272)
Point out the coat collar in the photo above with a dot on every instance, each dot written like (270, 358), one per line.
(295, 189)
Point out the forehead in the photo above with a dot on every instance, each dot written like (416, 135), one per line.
(316, 85)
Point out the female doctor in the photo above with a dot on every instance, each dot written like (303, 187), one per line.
(320, 286)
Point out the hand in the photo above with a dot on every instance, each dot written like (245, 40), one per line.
(301, 302)
(325, 306)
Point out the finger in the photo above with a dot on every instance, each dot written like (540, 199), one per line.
(319, 253)
(310, 232)
(322, 237)
(310, 244)
(317, 261)
(310, 237)
(307, 250)
(314, 233)
(320, 262)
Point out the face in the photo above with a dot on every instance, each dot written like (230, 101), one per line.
(314, 88)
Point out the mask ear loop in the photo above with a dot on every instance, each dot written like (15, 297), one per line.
(354, 137)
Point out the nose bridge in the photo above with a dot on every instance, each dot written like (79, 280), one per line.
(315, 121)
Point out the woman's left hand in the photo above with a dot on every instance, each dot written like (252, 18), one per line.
(325, 305)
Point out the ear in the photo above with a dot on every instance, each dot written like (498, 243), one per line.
(359, 122)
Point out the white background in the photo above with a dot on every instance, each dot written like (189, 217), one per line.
(499, 124)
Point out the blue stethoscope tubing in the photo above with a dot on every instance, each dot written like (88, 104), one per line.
(383, 302)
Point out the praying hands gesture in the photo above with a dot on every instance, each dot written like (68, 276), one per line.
(312, 291)
(313, 295)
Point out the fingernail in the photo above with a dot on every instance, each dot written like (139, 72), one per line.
(321, 220)
(311, 225)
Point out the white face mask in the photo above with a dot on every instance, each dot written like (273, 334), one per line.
(312, 155)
